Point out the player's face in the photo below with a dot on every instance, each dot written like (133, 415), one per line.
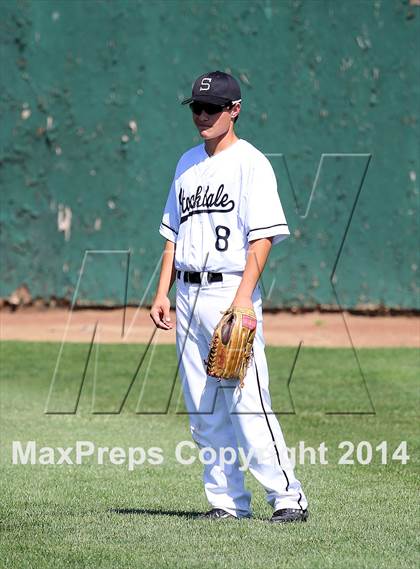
(212, 125)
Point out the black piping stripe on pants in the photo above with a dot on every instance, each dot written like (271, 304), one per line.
(272, 434)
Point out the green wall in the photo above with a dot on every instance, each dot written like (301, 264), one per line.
(91, 124)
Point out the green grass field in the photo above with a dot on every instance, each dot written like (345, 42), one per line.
(106, 516)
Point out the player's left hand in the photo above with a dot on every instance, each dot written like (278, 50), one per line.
(242, 302)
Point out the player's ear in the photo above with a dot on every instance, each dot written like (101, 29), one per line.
(235, 110)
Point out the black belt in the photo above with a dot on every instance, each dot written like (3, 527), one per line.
(194, 277)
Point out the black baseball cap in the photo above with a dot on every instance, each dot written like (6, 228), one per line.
(215, 87)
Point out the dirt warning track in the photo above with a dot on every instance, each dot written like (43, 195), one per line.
(280, 329)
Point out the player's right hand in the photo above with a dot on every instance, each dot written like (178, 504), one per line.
(159, 313)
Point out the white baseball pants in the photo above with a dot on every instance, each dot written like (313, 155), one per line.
(224, 416)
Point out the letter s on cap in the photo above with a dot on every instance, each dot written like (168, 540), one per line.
(205, 84)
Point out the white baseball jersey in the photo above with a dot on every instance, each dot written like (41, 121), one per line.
(217, 204)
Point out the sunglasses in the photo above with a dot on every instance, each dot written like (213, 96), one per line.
(209, 108)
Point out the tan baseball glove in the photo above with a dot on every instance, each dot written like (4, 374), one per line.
(231, 346)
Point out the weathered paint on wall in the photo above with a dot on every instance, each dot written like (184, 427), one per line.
(91, 130)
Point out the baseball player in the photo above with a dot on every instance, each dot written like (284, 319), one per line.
(221, 218)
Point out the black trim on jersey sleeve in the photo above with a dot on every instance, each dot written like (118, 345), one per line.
(169, 227)
(278, 232)
(267, 227)
(168, 232)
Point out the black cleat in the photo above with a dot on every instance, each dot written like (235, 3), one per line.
(216, 514)
(289, 515)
